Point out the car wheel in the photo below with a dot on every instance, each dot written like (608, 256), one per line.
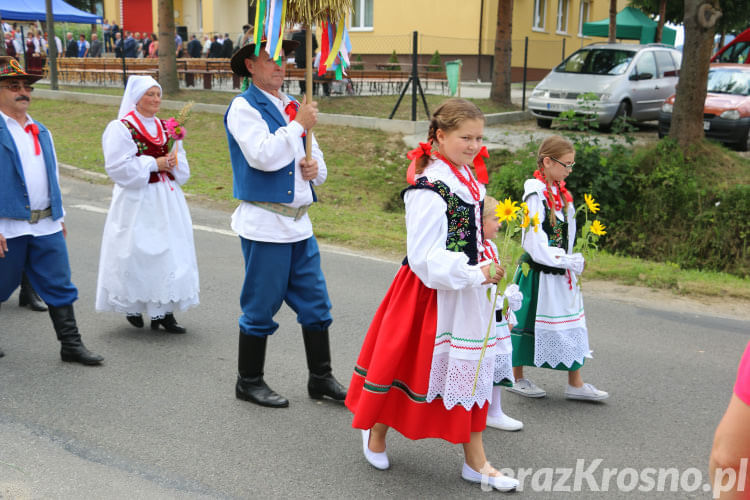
(745, 145)
(544, 122)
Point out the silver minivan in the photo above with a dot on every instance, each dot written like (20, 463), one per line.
(608, 80)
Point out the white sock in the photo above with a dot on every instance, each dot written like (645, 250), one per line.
(496, 408)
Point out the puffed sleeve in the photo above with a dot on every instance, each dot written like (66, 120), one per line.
(182, 172)
(120, 160)
(426, 232)
(536, 242)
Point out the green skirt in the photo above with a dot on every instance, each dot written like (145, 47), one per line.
(522, 335)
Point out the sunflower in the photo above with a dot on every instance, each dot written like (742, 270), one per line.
(598, 228)
(535, 222)
(525, 208)
(526, 221)
(506, 211)
(591, 203)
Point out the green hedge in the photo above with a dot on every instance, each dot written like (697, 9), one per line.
(659, 202)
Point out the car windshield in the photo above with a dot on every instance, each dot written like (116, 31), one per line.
(722, 81)
(597, 62)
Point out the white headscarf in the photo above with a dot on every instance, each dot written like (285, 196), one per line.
(136, 88)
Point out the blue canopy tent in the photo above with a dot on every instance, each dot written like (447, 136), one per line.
(35, 10)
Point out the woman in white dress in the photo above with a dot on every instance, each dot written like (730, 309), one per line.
(147, 263)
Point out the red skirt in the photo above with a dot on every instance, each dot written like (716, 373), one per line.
(392, 375)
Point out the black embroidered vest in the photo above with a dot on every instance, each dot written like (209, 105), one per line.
(463, 232)
(558, 238)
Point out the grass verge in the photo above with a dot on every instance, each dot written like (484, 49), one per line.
(359, 205)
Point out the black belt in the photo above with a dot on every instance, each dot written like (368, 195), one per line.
(541, 268)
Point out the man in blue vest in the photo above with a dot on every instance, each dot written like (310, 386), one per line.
(274, 183)
(32, 233)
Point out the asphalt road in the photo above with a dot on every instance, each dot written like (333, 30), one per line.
(160, 420)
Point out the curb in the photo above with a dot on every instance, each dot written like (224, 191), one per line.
(405, 127)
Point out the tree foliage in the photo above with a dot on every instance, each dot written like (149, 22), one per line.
(735, 19)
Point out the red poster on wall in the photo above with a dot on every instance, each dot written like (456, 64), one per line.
(137, 15)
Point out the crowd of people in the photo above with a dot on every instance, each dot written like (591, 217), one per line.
(420, 369)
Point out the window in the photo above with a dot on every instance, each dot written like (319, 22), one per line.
(540, 9)
(597, 62)
(562, 15)
(667, 66)
(362, 15)
(583, 16)
(645, 66)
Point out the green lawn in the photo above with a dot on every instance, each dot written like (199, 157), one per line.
(359, 205)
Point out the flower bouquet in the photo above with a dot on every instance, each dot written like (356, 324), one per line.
(590, 232)
(175, 127)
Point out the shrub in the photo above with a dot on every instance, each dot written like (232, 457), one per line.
(436, 64)
(358, 65)
(394, 59)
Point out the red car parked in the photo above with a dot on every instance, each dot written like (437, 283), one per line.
(736, 51)
(726, 112)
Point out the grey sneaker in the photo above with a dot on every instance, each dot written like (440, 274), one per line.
(526, 387)
(586, 392)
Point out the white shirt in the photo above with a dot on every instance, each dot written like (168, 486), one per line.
(37, 183)
(270, 152)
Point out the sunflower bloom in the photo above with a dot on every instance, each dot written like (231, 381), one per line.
(591, 203)
(506, 211)
(525, 208)
(526, 221)
(598, 228)
(535, 222)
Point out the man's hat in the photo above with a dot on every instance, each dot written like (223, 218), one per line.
(10, 68)
(238, 59)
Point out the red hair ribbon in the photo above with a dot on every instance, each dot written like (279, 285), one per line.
(291, 111)
(553, 199)
(424, 149)
(479, 167)
(34, 132)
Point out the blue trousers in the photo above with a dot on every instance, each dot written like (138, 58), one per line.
(283, 272)
(45, 261)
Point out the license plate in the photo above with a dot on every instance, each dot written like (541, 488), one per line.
(557, 107)
(706, 125)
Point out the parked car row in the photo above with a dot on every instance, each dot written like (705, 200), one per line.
(605, 81)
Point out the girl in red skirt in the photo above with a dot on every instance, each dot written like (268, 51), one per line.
(419, 370)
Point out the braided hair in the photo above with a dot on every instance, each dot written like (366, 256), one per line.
(553, 146)
(448, 116)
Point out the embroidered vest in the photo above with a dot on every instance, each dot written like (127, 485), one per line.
(558, 238)
(463, 232)
(145, 146)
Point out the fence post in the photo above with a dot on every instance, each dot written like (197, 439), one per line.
(414, 76)
(525, 59)
(563, 51)
(122, 55)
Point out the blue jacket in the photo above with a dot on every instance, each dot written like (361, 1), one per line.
(251, 184)
(13, 192)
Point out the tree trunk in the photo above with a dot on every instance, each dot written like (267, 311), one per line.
(612, 21)
(500, 91)
(51, 46)
(687, 115)
(167, 55)
(660, 24)
(2, 45)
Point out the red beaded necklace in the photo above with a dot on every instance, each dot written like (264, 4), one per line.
(159, 140)
(470, 183)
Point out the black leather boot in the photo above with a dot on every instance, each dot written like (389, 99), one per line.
(321, 382)
(169, 323)
(28, 296)
(250, 384)
(72, 349)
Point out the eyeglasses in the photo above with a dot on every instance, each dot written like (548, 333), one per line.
(568, 167)
(16, 87)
